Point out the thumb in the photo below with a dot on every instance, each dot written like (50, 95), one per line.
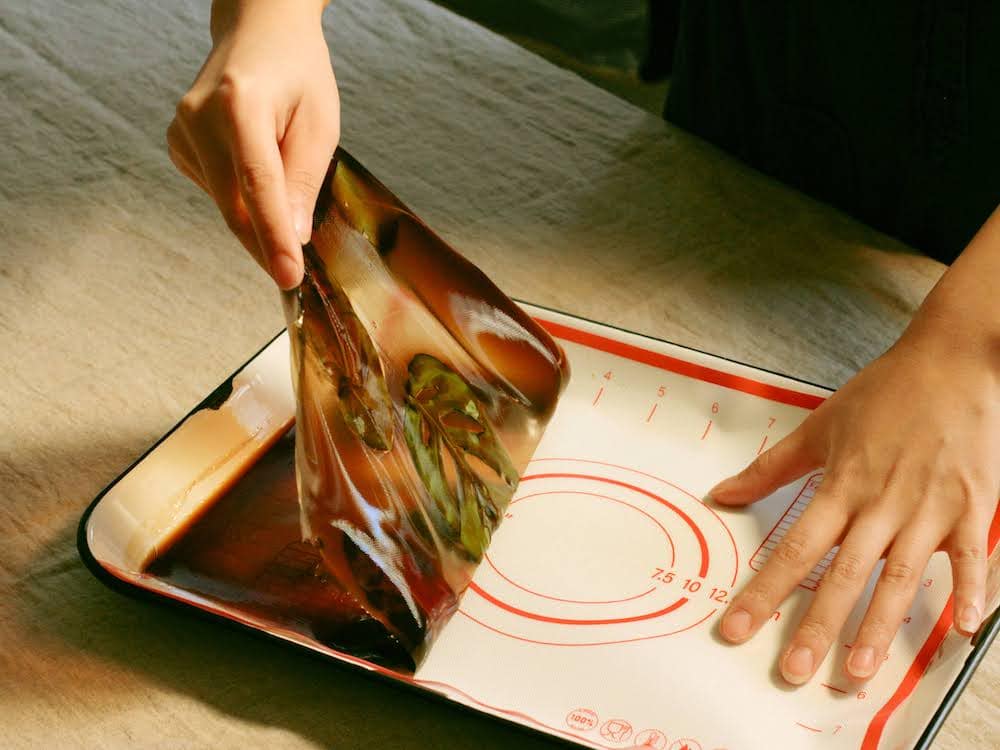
(306, 158)
(788, 460)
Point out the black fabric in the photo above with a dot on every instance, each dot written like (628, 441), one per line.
(889, 109)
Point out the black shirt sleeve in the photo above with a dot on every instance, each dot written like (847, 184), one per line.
(889, 110)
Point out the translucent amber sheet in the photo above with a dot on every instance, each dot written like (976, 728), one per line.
(422, 392)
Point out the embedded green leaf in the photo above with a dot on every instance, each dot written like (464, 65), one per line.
(443, 413)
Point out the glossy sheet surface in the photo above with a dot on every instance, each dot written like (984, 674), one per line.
(422, 392)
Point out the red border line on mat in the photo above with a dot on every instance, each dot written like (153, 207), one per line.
(682, 367)
(922, 660)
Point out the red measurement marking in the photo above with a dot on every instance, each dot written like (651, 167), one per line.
(811, 729)
(651, 413)
(597, 397)
(787, 520)
(707, 428)
(762, 444)
(834, 689)
(682, 367)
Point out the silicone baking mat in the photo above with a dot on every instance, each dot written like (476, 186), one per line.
(593, 615)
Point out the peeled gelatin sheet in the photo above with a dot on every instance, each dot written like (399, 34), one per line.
(422, 392)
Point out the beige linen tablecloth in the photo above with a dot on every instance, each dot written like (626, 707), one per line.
(123, 301)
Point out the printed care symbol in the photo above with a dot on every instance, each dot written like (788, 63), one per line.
(616, 730)
(685, 745)
(651, 738)
(581, 719)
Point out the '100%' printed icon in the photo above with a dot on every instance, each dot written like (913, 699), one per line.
(619, 731)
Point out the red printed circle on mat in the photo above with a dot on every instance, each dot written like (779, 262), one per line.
(592, 553)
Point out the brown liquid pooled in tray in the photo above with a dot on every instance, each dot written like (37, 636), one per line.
(247, 552)
(422, 392)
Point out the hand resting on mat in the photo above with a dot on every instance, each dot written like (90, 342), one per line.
(910, 448)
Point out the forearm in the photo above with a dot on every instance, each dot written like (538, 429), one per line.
(227, 13)
(259, 124)
(961, 316)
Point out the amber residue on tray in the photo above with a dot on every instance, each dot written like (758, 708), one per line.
(247, 553)
(422, 392)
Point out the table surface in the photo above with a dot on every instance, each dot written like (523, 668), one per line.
(123, 301)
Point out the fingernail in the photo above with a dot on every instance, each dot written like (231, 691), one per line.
(736, 625)
(718, 486)
(861, 662)
(286, 271)
(798, 666)
(303, 227)
(969, 619)
(718, 491)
